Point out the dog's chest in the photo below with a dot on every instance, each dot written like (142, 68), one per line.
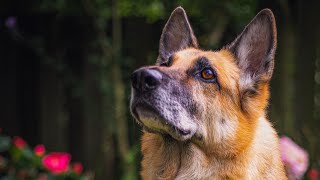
(186, 162)
(199, 167)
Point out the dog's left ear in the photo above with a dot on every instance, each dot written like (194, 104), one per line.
(176, 35)
(255, 47)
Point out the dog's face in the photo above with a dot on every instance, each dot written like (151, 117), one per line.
(206, 97)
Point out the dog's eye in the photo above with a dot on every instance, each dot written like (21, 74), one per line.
(207, 74)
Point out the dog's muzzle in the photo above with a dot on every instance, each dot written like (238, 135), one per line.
(156, 107)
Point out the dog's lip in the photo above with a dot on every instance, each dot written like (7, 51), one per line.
(174, 131)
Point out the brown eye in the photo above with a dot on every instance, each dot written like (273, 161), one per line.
(207, 74)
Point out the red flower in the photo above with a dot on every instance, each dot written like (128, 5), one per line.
(39, 150)
(19, 142)
(313, 174)
(77, 168)
(57, 163)
(294, 158)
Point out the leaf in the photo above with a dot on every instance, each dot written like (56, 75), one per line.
(27, 153)
(4, 143)
(132, 155)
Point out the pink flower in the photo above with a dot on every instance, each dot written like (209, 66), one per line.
(313, 174)
(39, 150)
(294, 158)
(57, 163)
(77, 168)
(19, 142)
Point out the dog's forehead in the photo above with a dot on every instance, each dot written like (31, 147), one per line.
(188, 57)
(187, 54)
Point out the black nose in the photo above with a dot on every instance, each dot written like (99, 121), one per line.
(146, 79)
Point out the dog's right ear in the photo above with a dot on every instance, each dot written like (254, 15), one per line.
(176, 35)
(254, 50)
(255, 47)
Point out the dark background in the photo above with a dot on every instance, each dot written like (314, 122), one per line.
(66, 65)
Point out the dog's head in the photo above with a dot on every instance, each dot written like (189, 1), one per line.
(207, 97)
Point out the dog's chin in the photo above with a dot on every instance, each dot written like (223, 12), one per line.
(152, 122)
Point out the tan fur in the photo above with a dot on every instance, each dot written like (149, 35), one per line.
(249, 149)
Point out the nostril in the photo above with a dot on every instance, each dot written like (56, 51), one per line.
(152, 79)
(151, 82)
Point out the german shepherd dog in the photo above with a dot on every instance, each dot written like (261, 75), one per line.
(203, 112)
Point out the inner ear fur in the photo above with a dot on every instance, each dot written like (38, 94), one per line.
(255, 47)
(176, 35)
(254, 50)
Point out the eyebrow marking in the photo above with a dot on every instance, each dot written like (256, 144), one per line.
(199, 64)
(202, 62)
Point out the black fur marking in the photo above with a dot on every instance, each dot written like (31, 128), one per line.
(202, 63)
(167, 63)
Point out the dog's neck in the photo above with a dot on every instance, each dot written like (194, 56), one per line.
(166, 158)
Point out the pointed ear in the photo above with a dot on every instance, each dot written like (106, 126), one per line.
(176, 35)
(255, 47)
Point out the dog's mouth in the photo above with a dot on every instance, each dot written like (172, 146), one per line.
(153, 121)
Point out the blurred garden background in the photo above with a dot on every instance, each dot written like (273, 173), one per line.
(66, 65)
